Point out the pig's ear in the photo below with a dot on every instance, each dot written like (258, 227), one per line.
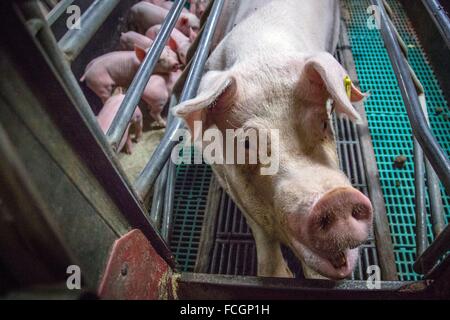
(172, 44)
(192, 35)
(184, 21)
(193, 8)
(324, 75)
(215, 99)
(140, 53)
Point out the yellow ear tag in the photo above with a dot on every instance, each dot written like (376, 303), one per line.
(348, 86)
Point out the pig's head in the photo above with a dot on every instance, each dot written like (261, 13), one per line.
(187, 23)
(308, 204)
(167, 62)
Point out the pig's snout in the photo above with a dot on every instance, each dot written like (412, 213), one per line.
(340, 220)
(176, 67)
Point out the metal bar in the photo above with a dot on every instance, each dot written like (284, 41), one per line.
(57, 11)
(169, 176)
(158, 198)
(166, 228)
(436, 205)
(134, 93)
(440, 18)
(419, 168)
(434, 192)
(162, 153)
(426, 262)
(197, 286)
(422, 132)
(435, 197)
(106, 166)
(75, 40)
(420, 210)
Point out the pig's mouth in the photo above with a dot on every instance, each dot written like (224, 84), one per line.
(336, 266)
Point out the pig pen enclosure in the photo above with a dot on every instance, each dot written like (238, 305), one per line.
(139, 221)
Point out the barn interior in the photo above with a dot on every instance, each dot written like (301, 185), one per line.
(141, 227)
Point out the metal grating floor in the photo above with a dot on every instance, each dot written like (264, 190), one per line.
(191, 195)
(389, 124)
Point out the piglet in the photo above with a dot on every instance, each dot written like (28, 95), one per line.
(198, 7)
(129, 40)
(144, 15)
(157, 92)
(117, 69)
(172, 78)
(156, 95)
(168, 60)
(106, 117)
(178, 41)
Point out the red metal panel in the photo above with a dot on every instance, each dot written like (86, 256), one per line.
(135, 271)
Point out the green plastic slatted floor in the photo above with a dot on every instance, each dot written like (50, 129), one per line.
(389, 125)
(191, 194)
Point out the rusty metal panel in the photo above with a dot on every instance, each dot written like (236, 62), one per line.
(135, 271)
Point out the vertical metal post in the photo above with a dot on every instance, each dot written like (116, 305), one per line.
(420, 210)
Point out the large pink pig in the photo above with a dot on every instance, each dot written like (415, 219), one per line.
(178, 41)
(106, 117)
(274, 70)
(144, 15)
(117, 69)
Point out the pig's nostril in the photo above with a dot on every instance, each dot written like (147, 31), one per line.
(325, 220)
(360, 212)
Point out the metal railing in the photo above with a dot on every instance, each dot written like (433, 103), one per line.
(440, 18)
(134, 93)
(425, 143)
(75, 40)
(64, 52)
(57, 11)
(147, 178)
